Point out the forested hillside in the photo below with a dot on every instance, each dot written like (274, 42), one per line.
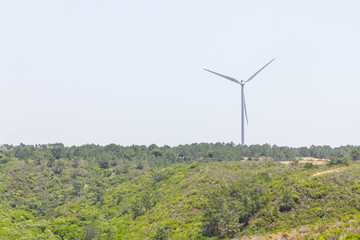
(198, 191)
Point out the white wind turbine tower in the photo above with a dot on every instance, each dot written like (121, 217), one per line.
(243, 105)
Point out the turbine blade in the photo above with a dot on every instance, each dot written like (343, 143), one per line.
(259, 71)
(229, 78)
(247, 121)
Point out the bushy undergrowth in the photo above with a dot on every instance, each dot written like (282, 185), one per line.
(163, 193)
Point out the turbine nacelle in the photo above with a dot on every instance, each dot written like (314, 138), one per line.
(242, 82)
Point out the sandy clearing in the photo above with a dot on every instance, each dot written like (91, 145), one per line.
(316, 162)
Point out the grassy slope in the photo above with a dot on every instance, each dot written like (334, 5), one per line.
(176, 196)
(180, 200)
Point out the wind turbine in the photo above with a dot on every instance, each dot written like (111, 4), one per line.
(243, 105)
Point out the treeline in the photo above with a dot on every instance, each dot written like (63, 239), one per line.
(155, 156)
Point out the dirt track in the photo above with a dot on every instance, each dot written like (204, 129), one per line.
(329, 171)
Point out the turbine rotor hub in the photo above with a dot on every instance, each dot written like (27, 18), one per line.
(242, 82)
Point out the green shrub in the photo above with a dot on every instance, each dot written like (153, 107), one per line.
(338, 161)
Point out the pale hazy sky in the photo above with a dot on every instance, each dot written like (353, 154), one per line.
(130, 72)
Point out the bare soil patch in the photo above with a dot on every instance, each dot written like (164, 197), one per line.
(315, 161)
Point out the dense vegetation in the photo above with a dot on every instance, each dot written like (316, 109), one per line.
(197, 191)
